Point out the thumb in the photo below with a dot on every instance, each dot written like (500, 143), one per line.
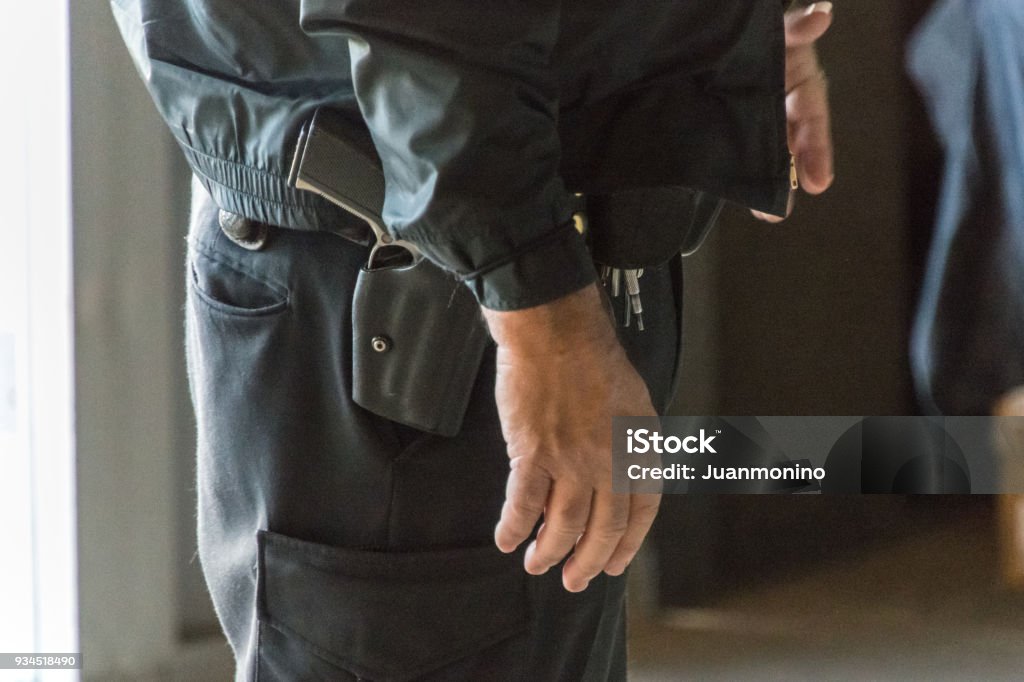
(804, 26)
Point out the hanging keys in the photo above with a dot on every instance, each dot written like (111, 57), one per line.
(618, 279)
(633, 306)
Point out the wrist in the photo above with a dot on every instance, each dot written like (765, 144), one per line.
(570, 324)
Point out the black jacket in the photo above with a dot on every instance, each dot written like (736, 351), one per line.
(486, 115)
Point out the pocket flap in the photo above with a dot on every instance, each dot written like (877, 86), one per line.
(390, 616)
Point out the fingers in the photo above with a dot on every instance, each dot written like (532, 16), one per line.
(525, 495)
(810, 135)
(643, 510)
(565, 519)
(603, 530)
(807, 110)
(804, 26)
(814, 162)
(608, 523)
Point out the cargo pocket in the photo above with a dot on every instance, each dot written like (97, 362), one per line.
(389, 616)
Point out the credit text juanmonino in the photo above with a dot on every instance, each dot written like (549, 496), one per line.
(644, 441)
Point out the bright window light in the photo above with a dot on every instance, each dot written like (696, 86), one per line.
(38, 597)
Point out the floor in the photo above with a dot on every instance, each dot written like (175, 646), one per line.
(927, 608)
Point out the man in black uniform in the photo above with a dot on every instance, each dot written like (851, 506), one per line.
(338, 544)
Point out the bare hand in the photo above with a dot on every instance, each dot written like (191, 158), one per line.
(807, 110)
(561, 376)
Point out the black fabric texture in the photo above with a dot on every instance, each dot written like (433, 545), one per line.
(486, 116)
(348, 503)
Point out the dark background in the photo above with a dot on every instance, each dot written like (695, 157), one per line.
(812, 317)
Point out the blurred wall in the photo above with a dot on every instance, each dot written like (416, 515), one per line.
(811, 316)
(141, 593)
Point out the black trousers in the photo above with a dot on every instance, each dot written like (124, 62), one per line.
(338, 545)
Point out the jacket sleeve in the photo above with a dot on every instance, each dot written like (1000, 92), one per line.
(462, 103)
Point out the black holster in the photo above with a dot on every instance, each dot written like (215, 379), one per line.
(418, 340)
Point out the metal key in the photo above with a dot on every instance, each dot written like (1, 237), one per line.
(634, 308)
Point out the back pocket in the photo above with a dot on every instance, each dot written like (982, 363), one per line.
(391, 616)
